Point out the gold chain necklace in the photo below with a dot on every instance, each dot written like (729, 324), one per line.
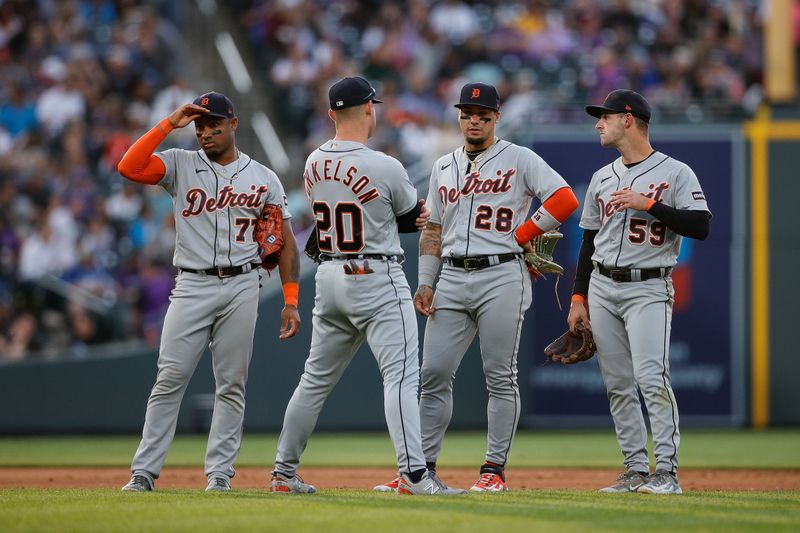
(238, 162)
(473, 164)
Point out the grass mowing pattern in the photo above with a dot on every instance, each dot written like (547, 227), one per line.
(351, 510)
(578, 449)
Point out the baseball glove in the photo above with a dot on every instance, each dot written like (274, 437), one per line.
(312, 247)
(540, 260)
(268, 234)
(571, 348)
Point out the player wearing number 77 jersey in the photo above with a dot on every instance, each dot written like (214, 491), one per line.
(636, 211)
(479, 197)
(361, 199)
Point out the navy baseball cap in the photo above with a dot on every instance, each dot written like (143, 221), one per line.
(622, 101)
(479, 94)
(351, 91)
(218, 105)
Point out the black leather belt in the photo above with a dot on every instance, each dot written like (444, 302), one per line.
(479, 262)
(224, 272)
(347, 257)
(633, 274)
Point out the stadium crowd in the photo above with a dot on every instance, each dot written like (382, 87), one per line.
(85, 258)
(694, 60)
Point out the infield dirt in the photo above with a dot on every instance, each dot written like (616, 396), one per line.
(366, 478)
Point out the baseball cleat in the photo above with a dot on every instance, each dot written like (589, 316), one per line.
(489, 482)
(139, 483)
(218, 484)
(628, 481)
(427, 486)
(283, 484)
(450, 491)
(389, 486)
(662, 482)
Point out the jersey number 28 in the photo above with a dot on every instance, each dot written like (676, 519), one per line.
(348, 221)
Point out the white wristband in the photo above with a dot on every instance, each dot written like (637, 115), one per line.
(429, 266)
(544, 220)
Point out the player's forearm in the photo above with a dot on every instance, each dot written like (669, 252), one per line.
(583, 270)
(289, 262)
(289, 267)
(553, 212)
(430, 253)
(430, 242)
(139, 164)
(685, 222)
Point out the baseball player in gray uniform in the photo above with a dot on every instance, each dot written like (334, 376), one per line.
(361, 199)
(218, 194)
(637, 210)
(479, 197)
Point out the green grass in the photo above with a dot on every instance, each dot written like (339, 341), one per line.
(339, 510)
(700, 449)
(331, 511)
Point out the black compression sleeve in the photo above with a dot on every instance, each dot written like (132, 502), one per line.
(693, 224)
(407, 223)
(583, 270)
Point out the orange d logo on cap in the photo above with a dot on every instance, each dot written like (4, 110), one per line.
(476, 93)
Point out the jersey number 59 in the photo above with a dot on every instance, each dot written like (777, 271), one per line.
(347, 220)
(638, 232)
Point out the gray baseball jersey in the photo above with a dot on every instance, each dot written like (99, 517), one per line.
(634, 238)
(631, 321)
(215, 207)
(479, 210)
(479, 204)
(361, 294)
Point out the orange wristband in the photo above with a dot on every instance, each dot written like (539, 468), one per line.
(650, 203)
(290, 291)
(526, 232)
(579, 298)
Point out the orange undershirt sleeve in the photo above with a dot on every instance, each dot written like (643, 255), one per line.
(560, 206)
(139, 164)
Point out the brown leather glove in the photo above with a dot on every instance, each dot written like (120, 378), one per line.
(571, 348)
(268, 234)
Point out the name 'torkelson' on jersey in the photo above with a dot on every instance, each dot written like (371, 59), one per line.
(314, 174)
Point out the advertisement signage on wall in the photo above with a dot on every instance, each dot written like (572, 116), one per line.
(706, 342)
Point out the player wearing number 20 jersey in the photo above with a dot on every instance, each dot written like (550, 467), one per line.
(361, 199)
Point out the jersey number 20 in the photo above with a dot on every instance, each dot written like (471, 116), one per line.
(349, 225)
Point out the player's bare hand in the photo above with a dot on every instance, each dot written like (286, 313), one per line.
(578, 313)
(424, 215)
(527, 247)
(423, 300)
(629, 199)
(290, 321)
(185, 115)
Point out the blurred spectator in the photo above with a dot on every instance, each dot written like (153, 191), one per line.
(79, 79)
(82, 78)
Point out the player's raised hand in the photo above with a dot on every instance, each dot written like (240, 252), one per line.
(290, 321)
(424, 215)
(185, 115)
(629, 199)
(578, 313)
(423, 300)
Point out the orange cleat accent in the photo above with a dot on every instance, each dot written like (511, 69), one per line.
(489, 482)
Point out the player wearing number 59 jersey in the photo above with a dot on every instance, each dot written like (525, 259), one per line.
(361, 199)
(637, 210)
